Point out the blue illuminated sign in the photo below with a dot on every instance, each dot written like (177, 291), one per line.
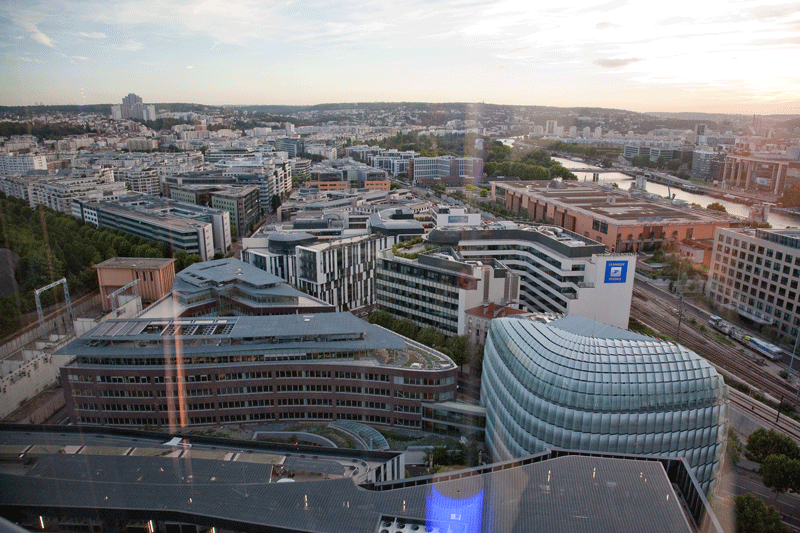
(616, 271)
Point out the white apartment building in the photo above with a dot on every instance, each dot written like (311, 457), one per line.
(58, 193)
(59, 190)
(143, 180)
(323, 149)
(756, 272)
(276, 172)
(139, 145)
(18, 164)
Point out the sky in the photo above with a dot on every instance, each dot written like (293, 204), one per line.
(718, 56)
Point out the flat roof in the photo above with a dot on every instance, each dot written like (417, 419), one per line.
(134, 262)
(616, 205)
(303, 334)
(568, 493)
(220, 271)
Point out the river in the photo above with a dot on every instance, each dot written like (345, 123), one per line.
(777, 220)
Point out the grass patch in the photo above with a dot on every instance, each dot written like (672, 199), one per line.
(722, 339)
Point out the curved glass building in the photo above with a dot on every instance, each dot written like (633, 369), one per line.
(578, 384)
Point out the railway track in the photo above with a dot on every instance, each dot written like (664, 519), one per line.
(740, 361)
(766, 415)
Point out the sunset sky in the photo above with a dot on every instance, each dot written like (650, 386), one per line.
(713, 55)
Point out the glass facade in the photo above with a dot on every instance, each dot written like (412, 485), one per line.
(546, 387)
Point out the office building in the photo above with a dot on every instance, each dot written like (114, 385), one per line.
(560, 272)
(550, 127)
(235, 369)
(621, 220)
(193, 229)
(393, 161)
(300, 167)
(439, 286)
(344, 174)
(768, 172)
(702, 164)
(445, 170)
(617, 392)
(755, 272)
(339, 270)
(294, 146)
(243, 204)
(395, 222)
(362, 151)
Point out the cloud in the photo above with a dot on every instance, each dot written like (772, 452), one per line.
(92, 35)
(23, 19)
(28, 59)
(82, 58)
(131, 46)
(779, 11)
(605, 25)
(674, 20)
(616, 63)
(189, 66)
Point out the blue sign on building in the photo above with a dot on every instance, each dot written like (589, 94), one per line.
(616, 271)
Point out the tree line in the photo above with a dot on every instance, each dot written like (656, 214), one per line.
(43, 130)
(53, 245)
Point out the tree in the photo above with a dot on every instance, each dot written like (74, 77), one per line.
(538, 157)
(561, 172)
(431, 336)
(381, 318)
(642, 161)
(754, 516)
(497, 152)
(762, 443)
(406, 328)
(780, 473)
(275, 203)
(458, 349)
(790, 198)
(734, 451)
(716, 206)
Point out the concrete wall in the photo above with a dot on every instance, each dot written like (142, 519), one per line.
(23, 379)
(55, 324)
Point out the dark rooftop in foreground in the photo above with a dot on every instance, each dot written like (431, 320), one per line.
(556, 491)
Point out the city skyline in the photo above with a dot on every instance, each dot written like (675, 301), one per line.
(725, 58)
